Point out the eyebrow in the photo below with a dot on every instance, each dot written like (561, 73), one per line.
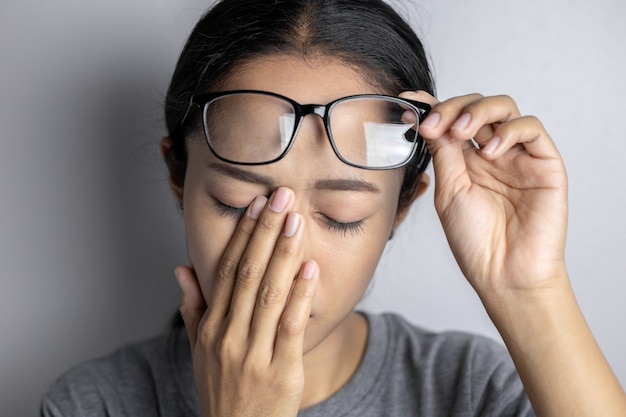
(339, 184)
(241, 174)
(346, 185)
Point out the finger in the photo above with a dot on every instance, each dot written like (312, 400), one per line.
(449, 165)
(290, 339)
(448, 129)
(472, 118)
(255, 259)
(445, 114)
(220, 299)
(485, 132)
(274, 289)
(484, 135)
(192, 305)
(447, 153)
(419, 95)
(527, 131)
(424, 97)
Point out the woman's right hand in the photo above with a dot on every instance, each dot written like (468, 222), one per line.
(247, 338)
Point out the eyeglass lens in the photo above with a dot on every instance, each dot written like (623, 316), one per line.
(257, 128)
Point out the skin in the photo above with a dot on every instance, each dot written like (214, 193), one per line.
(268, 301)
(335, 337)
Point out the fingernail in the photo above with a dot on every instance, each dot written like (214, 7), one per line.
(431, 121)
(292, 223)
(279, 200)
(257, 206)
(409, 116)
(462, 122)
(309, 270)
(492, 146)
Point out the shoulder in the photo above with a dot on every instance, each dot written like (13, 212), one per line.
(133, 362)
(132, 380)
(449, 369)
(427, 346)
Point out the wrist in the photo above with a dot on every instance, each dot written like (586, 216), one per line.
(554, 351)
(531, 309)
(508, 292)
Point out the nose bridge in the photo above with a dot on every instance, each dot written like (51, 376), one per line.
(318, 109)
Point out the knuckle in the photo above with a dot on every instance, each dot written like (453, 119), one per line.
(524, 123)
(269, 296)
(228, 268)
(303, 292)
(288, 384)
(214, 318)
(510, 104)
(533, 120)
(474, 100)
(253, 365)
(205, 334)
(246, 227)
(505, 97)
(268, 223)
(249, 272)
(286, 248)
(476, 97)
(292, 326)
(224, 348)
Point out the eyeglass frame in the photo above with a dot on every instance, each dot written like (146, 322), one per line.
(200, 100)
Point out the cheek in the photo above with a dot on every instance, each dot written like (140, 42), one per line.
(347, 266)
(208, 235)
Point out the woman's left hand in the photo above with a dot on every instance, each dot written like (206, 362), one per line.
(503, 207)
(504, 212)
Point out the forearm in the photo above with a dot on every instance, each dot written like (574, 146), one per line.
(562, 368)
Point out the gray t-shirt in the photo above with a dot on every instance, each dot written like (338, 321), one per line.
(406, 371)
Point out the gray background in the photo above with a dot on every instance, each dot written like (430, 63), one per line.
(89, 234)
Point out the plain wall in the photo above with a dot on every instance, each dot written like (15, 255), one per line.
(89, 234)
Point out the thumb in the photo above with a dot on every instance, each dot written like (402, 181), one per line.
(447, 152)
(192, 305)
(449, 165)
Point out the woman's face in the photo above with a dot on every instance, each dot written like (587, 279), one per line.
(347, 257)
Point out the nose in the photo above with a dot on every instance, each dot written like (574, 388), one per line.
(303, 206)
(316, 133)
(318, 109)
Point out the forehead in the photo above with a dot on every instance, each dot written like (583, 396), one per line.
(318, 79)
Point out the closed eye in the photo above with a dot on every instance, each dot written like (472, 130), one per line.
(229, 211)
(354, 228)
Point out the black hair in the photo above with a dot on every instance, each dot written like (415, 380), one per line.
(366, 34)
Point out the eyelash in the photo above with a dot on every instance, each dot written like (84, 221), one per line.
(354, 228)
(230, 211)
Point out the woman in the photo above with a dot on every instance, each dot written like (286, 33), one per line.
(287, 214)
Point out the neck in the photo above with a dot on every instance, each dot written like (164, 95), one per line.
(331, 364)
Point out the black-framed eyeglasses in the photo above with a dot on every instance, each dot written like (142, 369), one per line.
(370, 131)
